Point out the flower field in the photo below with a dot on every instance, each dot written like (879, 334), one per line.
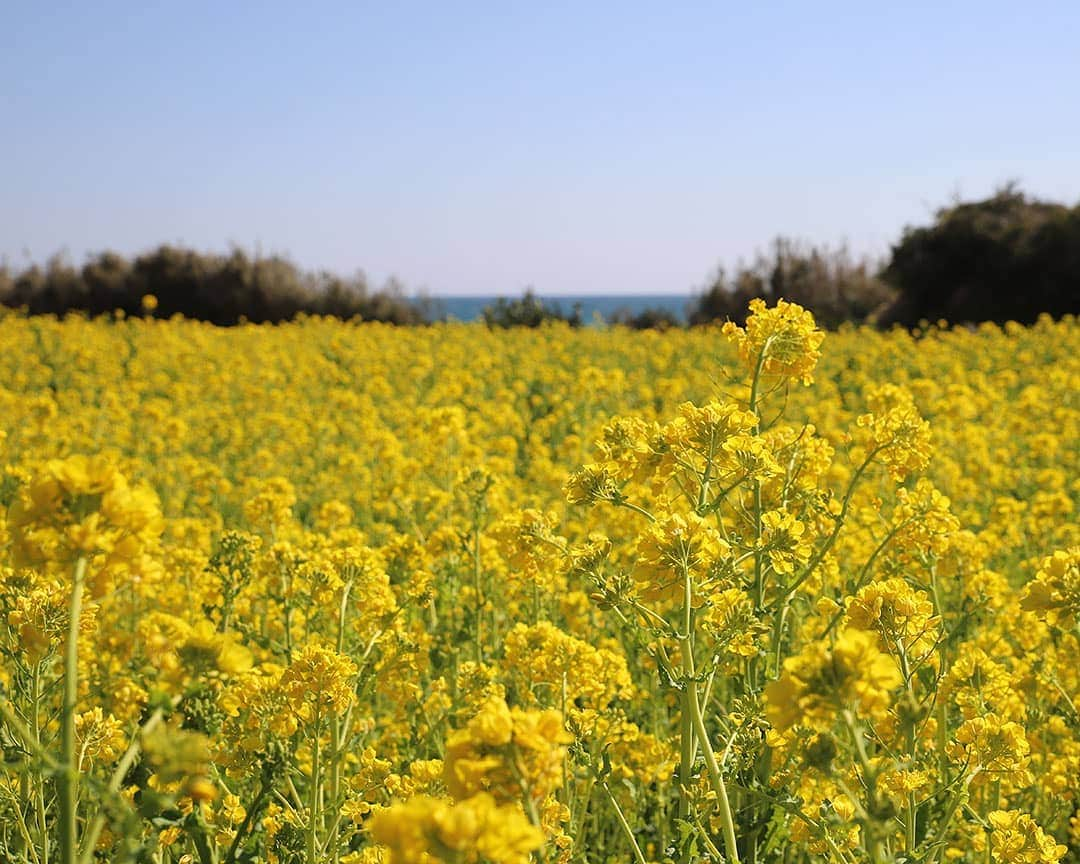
(351, 593)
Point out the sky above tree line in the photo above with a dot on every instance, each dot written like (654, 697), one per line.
(477, 148)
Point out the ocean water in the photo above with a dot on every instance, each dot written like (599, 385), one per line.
(592, 305)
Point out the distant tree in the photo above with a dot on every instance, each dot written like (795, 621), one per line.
(222, 289)
(831, 283)
(28, 290)
(106, 276)
(528, 311)
(1007, 257)
(651, 318)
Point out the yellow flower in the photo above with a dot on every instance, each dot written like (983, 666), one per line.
(902, 617)
(729, 618)
(590, 484)
(353, 540)
(993, 750)
(897, 431)
(1055, 591)
(424, 830)
(817, 684)
(511, 753)
(557, 667)
(673, 549)
(783, 340)
(784, 541)
(1016, 839)
(319, 682)
(99, 738)
(83, 507)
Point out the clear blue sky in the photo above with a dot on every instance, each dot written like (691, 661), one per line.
(480, 147)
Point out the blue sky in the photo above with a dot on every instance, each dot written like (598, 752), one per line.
(475, 148)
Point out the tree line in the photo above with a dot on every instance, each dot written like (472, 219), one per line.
(221, 289)
(1006, 257)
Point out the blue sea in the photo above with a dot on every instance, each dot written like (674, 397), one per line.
(592, 305)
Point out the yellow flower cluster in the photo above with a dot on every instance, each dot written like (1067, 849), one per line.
(510, 753)
(993, 751)
(818, 683)
(676, 554)
(1055, 590)
(782, 341)
(83, 507)
(1016, 839)
(319, 681)
(426, 830)
(558, 669)
(902, 617)
(358, 593)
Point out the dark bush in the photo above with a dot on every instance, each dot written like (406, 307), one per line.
(1008, 257)
(528, 311)
(830, 283)
(222, 289)
(651, 318)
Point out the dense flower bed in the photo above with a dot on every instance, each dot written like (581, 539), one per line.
(338, 592)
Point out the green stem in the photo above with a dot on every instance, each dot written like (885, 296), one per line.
(759, 582)
(756, 381)
(638, 855)
(714, 505)
(335, 725)
(778, 637)
(910, 805)
(869, 774)
(69, 772)
(90, 838)
(726, 819)
(335, 778)
(943, 741)
(824, 550)
(19, 728)
(946, 823)
(912, 811)
(912, 814)
(707, 840)
(29, 851)
(687, 745)
(35, 733)
(630, 506)
(286, 602)
(686, 756)
(579, 813)
(249, 817)
(690, 701)
(313, 795)
(476, 588)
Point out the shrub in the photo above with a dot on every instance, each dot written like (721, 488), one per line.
(1008, 257)
(528, 311)
(222, 289)
(831, 283)
(651, 318)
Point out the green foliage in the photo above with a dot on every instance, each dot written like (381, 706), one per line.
(833, 285)
(528, 311)
(1008, 257)
(222, 289)
(651, 318)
